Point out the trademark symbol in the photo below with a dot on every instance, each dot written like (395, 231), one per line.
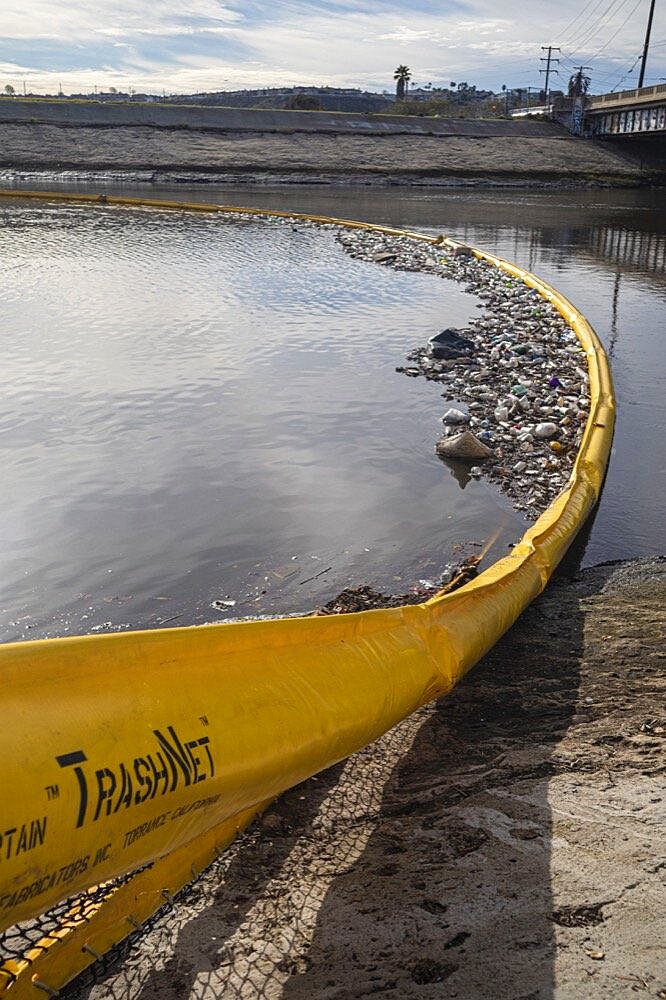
(203, 719)
(52, 792)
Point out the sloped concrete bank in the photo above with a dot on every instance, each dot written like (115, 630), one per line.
(220, 119)
(190, 155)
(506, 842)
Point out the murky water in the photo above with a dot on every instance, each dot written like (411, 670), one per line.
(193, 411)
(605, 250)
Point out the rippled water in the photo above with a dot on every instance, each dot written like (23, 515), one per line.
(605, 250)
(242, 383)
(193, 409)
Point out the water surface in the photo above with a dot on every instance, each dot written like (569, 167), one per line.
(606, 251)
(194, 409)
(254, 372)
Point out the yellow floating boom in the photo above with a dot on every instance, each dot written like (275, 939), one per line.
(119, 750)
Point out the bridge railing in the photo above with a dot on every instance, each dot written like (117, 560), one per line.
(640, 95)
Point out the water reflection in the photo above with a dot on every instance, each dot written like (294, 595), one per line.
(459, 470)
(604, 249)
(631, 248)
(195, 410)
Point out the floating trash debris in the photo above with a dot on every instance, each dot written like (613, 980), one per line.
(465, 447)
(545, 430)
(366, 598)
(223, 604)
(514, 378)
(450, 344)
(453, 417)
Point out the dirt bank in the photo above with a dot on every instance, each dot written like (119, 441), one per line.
(173, 155)
(503, 843)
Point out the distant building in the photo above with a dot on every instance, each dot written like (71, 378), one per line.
(467, 95)
(423, 94)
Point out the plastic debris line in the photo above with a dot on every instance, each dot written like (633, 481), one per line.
(123, 749)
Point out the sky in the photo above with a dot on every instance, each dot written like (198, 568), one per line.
(159, 45)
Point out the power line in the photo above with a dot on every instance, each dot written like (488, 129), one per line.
(571, 23)
(589, 34)
(641, 55)
(617, 32)
(593, 27)
(572, 64)
(628, 73)
(591, 23)
(613, 74)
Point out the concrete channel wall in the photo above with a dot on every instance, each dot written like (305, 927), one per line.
(182, 144)
(185, 116)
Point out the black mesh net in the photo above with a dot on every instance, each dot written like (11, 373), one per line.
(26, 941)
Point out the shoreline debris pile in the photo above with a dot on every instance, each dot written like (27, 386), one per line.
(366, 598)
(515, 380)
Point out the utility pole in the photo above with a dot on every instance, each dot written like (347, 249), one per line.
(646, 46)
(548, 60)
(578, 89)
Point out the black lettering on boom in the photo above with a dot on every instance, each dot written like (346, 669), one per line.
(172, 763)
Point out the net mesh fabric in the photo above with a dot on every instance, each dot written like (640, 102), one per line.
(27, 941)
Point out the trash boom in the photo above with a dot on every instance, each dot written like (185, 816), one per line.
(117, 750)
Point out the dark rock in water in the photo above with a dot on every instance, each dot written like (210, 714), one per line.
(450, 344)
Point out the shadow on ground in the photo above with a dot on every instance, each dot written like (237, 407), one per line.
(454, 886)
(422, 867)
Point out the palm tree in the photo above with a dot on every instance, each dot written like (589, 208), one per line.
(403, 76)
(579, 84)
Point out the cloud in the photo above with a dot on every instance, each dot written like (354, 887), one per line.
(458, 31)
(227, 44)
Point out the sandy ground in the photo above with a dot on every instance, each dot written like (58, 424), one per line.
(302, 156)
(506, 842)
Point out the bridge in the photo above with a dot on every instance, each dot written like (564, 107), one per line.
(640, 113)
